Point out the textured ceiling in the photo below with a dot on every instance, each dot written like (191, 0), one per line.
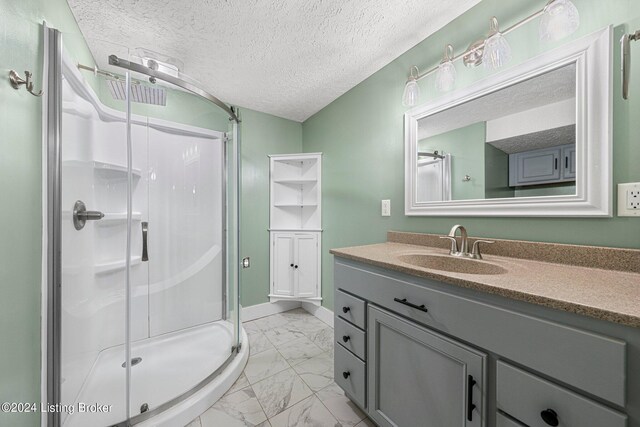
(548, 88)
(289, 58)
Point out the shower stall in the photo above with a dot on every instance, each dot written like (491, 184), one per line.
(142, 200)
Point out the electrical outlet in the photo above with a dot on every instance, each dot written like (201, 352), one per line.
(386, 208)
(629, 199)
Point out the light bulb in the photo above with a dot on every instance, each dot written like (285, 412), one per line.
(560, 19)
(497, 51)
(446, 74)
(411, 89)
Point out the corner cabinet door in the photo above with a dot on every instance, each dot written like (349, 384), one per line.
(417, 377)
(306, 267)
(282, 265)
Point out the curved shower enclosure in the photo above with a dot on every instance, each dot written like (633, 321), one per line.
(143, 311)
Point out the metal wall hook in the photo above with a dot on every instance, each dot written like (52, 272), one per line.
(17, 81)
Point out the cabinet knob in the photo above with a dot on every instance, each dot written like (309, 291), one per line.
(347, 373)
(550, 417)
(346, 338)
(291, 265)
(346, 309)
(295, 266)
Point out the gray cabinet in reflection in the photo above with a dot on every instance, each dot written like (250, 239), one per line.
(420, 378)
(543, 166)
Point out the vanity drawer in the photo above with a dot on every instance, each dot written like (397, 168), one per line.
(350, 337)
(351, 309)
(504, 421)
(528, 398)
(350, 375)
(570, 355)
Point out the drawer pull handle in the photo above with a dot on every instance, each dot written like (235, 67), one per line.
(470, 406)
(550, 417)
(346, 374)
(346, 309)
(346, 338)
(407, 303)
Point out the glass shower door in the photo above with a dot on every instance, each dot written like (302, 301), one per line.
(183, 318)
(93, 264)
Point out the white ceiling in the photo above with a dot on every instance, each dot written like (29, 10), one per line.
(289, 58)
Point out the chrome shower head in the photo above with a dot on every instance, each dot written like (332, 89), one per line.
(139, 93)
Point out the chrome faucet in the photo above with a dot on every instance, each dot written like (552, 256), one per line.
(464, 243)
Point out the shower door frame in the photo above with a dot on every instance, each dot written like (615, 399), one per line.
(51, 342)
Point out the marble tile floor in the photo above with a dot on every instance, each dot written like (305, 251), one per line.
(288, 380)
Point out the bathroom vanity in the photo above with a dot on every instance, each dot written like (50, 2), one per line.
(426, 339)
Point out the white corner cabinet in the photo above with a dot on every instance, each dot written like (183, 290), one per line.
(295, 227)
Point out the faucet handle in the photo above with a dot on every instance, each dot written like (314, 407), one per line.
(454, 244)
(475, 252)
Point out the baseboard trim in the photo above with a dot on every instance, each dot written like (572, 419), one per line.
(267, 309)
(320, 312)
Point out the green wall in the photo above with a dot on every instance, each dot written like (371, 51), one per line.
(262, 135)
(361, 136)
(21, 48)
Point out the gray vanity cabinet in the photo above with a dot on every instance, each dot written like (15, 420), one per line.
(543, 166)
(440, 355)
(419, 378)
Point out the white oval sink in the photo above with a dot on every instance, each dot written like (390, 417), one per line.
(452, 264)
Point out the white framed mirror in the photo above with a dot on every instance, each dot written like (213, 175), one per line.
(534, 140)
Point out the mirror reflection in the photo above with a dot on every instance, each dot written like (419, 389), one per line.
(519, 141)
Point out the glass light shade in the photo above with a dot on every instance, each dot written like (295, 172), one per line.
(411, 93)
(497, 51)
(445, 76)
(560, 19)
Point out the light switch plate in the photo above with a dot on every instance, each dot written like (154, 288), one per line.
(629, 199)
(386, 208)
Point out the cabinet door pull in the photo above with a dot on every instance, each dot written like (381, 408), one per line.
(346, 374)
(470, 405)
(407, 303)
(346, 309)
(566, 162)
(556, 164)
(346, 338)
(550, 417)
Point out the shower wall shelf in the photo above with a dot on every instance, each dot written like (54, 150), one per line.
(295, 227)
(113, 266)
(105, 169)
(110, 218)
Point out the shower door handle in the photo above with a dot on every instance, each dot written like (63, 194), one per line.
(145, 229)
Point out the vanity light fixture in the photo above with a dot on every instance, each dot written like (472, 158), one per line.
(497, 51)
(411, 89)
(560, 18)
(446, 75)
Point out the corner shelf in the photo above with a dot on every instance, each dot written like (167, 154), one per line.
(110, 218)
(103, 169)
(113, 266)
(295, 224)
(295, 205)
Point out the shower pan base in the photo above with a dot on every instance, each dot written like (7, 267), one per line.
(172, 364)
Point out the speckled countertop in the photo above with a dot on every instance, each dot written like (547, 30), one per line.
(610, 292)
